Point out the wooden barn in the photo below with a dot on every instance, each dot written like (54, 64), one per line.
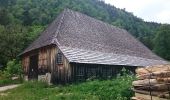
(77, 47)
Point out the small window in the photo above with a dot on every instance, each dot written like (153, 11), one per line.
(59, 58)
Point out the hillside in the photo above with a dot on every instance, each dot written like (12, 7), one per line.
(42, 12)
(21, 21)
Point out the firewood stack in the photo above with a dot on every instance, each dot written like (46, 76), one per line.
(153, 83)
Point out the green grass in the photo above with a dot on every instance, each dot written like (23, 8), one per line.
(115, 89)
(6, 81)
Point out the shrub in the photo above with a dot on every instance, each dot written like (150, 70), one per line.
(14, 67)
(118, 88)
(1, 72)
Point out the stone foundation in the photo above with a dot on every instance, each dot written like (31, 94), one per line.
(45, 78)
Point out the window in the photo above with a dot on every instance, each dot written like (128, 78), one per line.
(59, 58)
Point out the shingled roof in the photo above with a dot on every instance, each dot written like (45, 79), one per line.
(83, 39)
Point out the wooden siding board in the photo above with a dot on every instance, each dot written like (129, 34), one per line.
(25, 64)
(46, 59)
(66, 72)
(42, 61)
(96, 71)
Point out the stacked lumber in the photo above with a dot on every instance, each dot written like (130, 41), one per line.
(153, 82)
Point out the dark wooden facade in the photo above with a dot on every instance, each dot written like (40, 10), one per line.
(46, 63)
(81, 72)
(45, 60)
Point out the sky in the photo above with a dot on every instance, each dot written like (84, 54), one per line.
(148, 10)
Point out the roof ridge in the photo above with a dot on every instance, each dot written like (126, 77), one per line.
(54, 39)
(92, 17)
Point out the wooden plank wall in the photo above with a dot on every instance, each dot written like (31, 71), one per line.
(81, 72)
(25, 64)
(46, 59)
(42, 61)
(60, 73)
(67, 69)
(64, 72)
(52, 52)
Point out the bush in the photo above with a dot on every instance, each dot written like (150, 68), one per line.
(14, 68)
(118, 88)
(1, 74)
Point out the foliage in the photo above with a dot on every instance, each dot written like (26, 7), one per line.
(1, 74)
(11, 38)
(14, 38)
(115, 89)
(14, 68)
(162, 42)
(110, 89)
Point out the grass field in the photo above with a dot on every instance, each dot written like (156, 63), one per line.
(115, 89)
(4, 82)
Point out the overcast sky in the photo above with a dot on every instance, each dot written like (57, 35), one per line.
(149, 10)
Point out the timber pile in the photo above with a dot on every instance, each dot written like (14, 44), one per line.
(153, 82)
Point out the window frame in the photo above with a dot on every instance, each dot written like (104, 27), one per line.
(59, 58)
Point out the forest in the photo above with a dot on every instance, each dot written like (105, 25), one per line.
(22, 21)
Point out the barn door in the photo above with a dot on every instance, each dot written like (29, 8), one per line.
(33, 67)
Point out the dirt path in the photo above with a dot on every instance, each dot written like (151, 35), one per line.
(4, 88)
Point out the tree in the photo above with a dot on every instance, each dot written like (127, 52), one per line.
(4, 17)
(5, 3)
(162, 42)
(13, 68)
(14, 38)
(11, 41)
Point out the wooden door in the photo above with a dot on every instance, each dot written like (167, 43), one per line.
(33, 67)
